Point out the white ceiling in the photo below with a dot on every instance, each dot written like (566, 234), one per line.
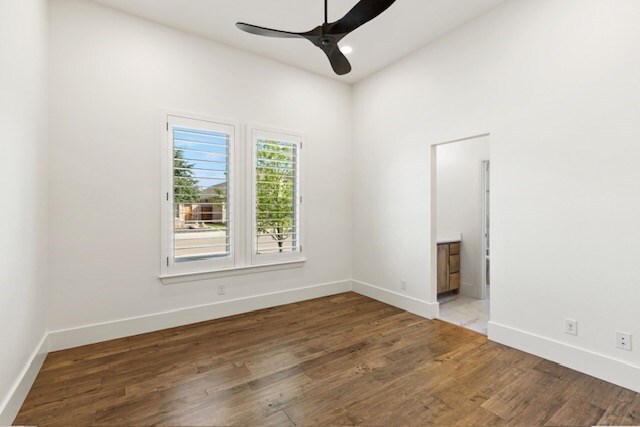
(406, 26)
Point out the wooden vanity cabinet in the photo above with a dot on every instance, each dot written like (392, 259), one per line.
(449, 267)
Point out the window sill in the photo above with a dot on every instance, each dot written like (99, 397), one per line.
(170, 279)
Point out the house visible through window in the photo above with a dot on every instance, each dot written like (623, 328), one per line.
(198, 230)
(201, 197)
(205, 228)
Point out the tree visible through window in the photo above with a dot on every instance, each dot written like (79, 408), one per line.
(276, 216)
(185, 186)
(227, 206)
(200, 194)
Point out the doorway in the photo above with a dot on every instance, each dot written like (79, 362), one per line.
(462, 231)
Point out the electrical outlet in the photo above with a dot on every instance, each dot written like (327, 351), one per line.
(623, 340)
(222, 289)
(570, 326)
(403, 285)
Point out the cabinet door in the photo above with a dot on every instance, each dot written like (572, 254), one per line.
(454, 263)
(443, 268)
(454, 248)
(454, 281)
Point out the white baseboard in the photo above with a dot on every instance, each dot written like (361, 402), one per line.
(609, 369)
(410, 304)
(14, 400)
(597, 365)
(90, 334)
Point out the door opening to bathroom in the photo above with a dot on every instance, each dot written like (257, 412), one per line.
(462, 231)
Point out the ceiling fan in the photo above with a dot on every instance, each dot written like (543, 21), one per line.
(327, 35)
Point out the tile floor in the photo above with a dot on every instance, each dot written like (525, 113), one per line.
(468, 312)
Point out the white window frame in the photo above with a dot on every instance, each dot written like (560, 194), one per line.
(168, 266)
(254, 132)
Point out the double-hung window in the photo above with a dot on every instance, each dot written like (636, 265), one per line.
(227, 205)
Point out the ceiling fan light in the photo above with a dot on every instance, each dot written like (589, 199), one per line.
(346, 50)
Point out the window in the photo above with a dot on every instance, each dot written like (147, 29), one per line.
(200, 235)
(276, 196)
(227, 206)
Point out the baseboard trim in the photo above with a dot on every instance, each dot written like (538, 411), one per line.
(597, 365)
(91, 334)
(410, 304)
(609, 369)
(14, 400)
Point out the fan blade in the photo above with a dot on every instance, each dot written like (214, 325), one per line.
(363, 12)
(339, 62)
(267, 32)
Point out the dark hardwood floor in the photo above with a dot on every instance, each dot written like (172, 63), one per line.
(340, 360)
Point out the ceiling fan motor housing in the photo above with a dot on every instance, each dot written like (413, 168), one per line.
(326, 40)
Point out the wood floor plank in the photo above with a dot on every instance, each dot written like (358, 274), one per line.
(340, 360)
(624, 411)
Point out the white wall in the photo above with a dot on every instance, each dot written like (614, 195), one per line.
(559, 96)
(556, 84)
(111, 74)
(459, 181)
(23, 216)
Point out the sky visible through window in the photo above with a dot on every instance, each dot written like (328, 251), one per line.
(200, 181)
(202, 226)
(198, 150)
